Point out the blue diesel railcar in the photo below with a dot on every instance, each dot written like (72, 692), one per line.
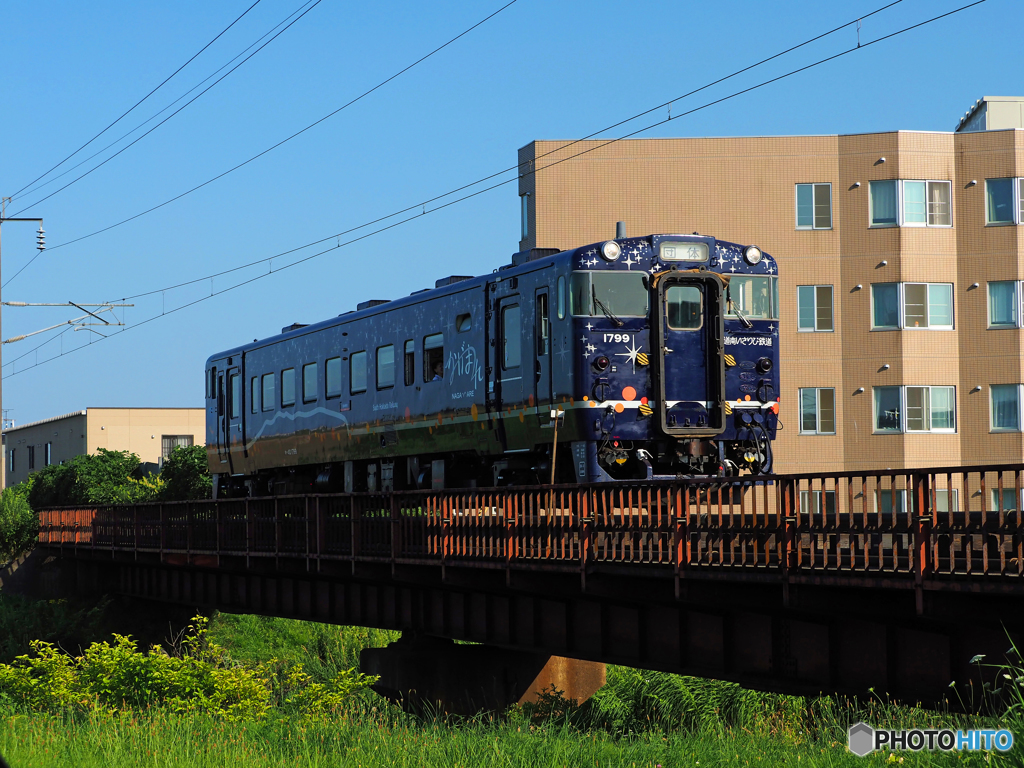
(661, 352)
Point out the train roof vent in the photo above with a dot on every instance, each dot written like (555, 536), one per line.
(293, 327)
(532, 255)
(371, 303)
(451, 280)
(346, 312)
(421, 290)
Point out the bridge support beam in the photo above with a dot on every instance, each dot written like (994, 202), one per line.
(423, 672)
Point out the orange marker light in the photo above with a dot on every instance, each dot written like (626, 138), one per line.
(628, 393)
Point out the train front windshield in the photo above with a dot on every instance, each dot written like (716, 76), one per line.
(756, 298)
(621, 294)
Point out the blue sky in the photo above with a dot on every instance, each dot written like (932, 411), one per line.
(552, 70)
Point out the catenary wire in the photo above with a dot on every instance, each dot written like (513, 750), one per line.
(139, 102)
(140, 138)
(494, 186)
(157, 114)
(278, 144)
(497, 173)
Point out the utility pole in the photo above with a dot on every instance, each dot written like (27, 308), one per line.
(40, 244)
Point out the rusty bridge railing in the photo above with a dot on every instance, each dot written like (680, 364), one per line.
(903, 528)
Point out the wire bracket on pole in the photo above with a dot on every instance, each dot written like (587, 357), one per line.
(79, 323)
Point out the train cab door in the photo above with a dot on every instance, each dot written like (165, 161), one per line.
(690, 357)
(233, 416)
(542, 346)
(220, 397)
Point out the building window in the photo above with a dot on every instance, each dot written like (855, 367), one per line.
(357, 373)
(1003, 309)
(816, 502)
(817, 411)
(946, 500)
(287, 387)
(814, 206)
(47, 454)
(1004, 201)
(433, 357)
(814, 308)
(309, 382)
(11, 457)
(1006, 501)
(169, 442)
(910, 203)
(268, 392)
(911, 305)
(386, 366)
(31, 457)
(915, 409)
(524, 216)
(1005, 407)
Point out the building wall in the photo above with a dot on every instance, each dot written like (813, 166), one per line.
(65, 434)
(139, 430)
(744, 190)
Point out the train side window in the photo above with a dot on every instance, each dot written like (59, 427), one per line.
(309, 383)
(268, 392)
(433, 357)
(235, 395)
(357, 373)
(561, 297)
(463, 322)
(543, 325)
(410, 362)
(254, 394)
(211, 383)
(386, 366)
(511, 337)
(684, 307)
(287, 387)
(333, 383)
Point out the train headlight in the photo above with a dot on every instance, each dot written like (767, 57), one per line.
(752, 254)
(611, 251)
(601, 363)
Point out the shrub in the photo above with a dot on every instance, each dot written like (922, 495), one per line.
(18, 523)
(186, 474)
(107, 477)
(201, 678)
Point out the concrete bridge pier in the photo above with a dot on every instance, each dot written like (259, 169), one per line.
(424, 673)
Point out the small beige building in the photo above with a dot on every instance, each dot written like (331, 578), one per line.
(152, 433)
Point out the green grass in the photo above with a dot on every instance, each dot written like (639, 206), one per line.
(639, 719)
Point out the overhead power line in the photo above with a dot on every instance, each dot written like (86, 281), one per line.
(348, 104)
(139, 102)
(186, 104)
(536, 169)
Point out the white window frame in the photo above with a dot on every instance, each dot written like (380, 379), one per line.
(1017, 204)
(811, 502)
(796, 205)
(902, 415)
(1017, 286)
(817, 410)
(901, 309)
(831, 309)
(901, 219)
(992, 413)
(995, 501)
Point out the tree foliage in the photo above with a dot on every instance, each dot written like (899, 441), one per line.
(18, 523)
(186, 475)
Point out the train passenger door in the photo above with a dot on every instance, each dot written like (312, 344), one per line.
(509, 360)
(542, 347)
(221, 417)
(690, 357)
(233, 415)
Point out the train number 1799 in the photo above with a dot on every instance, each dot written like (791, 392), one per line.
(617, 337)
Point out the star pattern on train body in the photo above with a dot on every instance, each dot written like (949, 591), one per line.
(630, 354)
(589, 350)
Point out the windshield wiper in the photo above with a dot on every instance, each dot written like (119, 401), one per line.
(607, 312)
(742, 317)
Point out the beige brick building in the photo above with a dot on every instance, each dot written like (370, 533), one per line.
(901, 260)
(152, 433)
